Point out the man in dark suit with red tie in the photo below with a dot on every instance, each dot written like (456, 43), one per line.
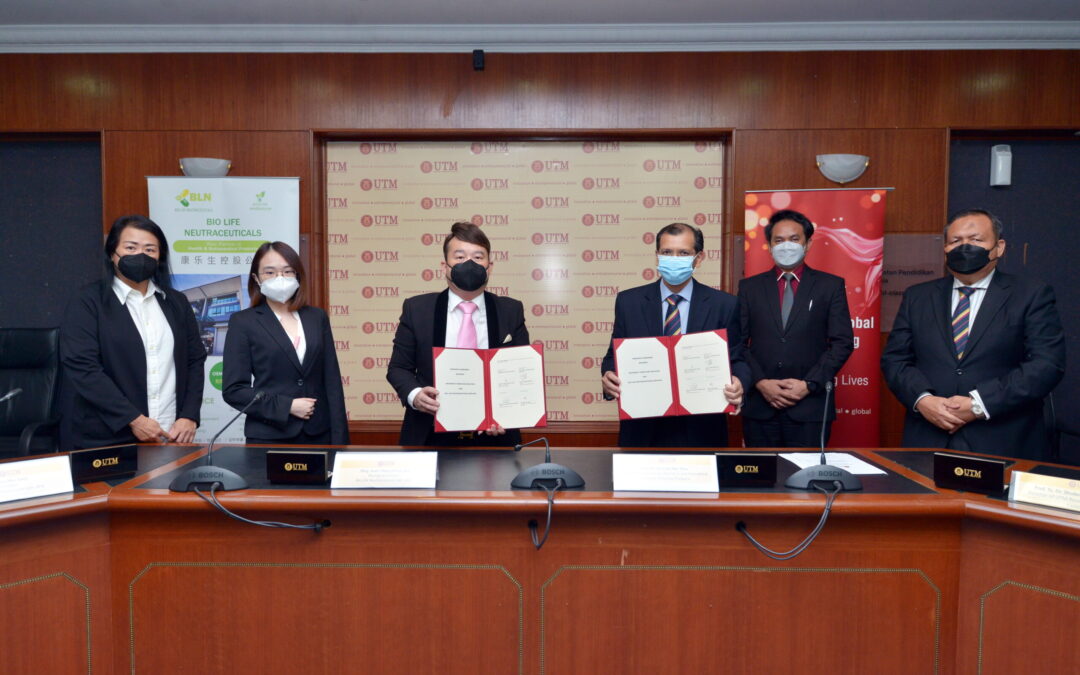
(463, 315)
(972, 355)
(677, 305)
(798, 330)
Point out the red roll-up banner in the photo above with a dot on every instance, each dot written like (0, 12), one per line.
(849, 227)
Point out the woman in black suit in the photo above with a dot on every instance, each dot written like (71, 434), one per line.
(130, 346)
(284, 348)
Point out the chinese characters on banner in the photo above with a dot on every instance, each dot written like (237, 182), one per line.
(571, 224)
(849, 227)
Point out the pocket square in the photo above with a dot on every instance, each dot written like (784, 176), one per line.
(506, 339)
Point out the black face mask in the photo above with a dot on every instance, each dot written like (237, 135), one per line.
(138, 267)
(469, 275)
(967, 258)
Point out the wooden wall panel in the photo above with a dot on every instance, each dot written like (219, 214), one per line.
(776, 90)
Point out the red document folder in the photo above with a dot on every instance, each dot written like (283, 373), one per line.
(676, 407)
(486, 356)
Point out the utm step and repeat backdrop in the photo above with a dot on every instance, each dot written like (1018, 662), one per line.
(571, 224)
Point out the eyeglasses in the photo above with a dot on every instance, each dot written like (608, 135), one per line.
(270, 272)
(677, 254)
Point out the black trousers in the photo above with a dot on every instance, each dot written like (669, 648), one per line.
(300, 439)
(780, 431)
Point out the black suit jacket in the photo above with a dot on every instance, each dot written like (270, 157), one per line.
(259, 356)
(638, 313)
(814, 345)
(423, 327)
(105, 361)
(1015, 356)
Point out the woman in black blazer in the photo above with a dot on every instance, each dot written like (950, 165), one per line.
(130, 346)
(284, 348)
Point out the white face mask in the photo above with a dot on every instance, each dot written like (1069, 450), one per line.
(279, 289)
(788, 254)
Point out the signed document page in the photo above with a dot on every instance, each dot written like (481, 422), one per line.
(644, 372)
(702, 370)
(517, 387)
(459, 377)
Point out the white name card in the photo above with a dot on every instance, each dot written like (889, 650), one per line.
(1033, 488)
(664, 473)
(385, 470)
(35, 478)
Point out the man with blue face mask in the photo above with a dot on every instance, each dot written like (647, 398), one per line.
(798, 330)
(676, 305)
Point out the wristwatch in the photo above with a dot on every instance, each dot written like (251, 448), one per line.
(977, 410)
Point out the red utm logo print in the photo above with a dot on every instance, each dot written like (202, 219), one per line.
(426, 167)
(538, 202)
(587, 327)
(649, 202)
(369, 327)
(426, 239)
(537, 166)
(426, 203)
(367, 221)
(369, 398)
(367, 256)
(537, 238)
(365, 184)
(587, 397)
(587, 255)
(588, 219)
(538, 310)
(649, 165)
(368, 292)
(588, 183)
(477, 184)
(369, 362)
(587, 291)
(588, 362)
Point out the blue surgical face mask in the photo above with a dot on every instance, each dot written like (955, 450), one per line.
(675, 269)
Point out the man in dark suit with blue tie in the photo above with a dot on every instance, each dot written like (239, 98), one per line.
(798, 328)
(677, 305)
(972, 355)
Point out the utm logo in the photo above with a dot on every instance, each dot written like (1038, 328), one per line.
(714, 254)
(380, 291)
(588, 398)
(540, 274)
(702, 182)
(499, 290)
(496, 147)
(557, 380)
(589, 147)
(550, 202)
(341, 345)
(541, 310)
(499, 256)
(379, 256)
(339, 310)
(662, 165)
(702, 146)
(371, 363)
(648, 274)
(600, 255)
(707, 219)
(558, 415)
(378, 184)
(600, 291)
(539, 238)
(337, 167)
(490, 184)
(370, 327)
(439, 167)
(428, 275)
(485, 219)
(588, 327)
(337, 202)
(553, 345)
(378, 148)
(600, 183)
(428, 203)
(648, 237)
(557, 165)
(588, 363)
(337, 239)
(432, 238)
(661, 200)
(590, 219)
(339, 275)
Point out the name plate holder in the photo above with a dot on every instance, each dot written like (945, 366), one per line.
(1053, 491)
(101, 463)
(969, 474)
(667, 472)
(746, 469)
(298, 467)
(30, 478)
(385, 470)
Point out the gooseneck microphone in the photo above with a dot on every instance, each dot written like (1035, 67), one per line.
(11, 394)
(550, 478)
(824, 473)
(209, 474)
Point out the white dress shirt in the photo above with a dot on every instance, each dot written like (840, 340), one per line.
(454, 317)
(157, 339)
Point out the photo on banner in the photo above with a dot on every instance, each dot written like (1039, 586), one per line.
(849, 228)
(214, 226)
(571, 224)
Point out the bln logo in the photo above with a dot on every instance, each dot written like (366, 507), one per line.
(378, 148)
(339, 310)
(380, 291)
(597, 146)
(702, 182)
(379, 256)
(337, 239)
(337, 202)
(540, 274)
(339, 275)
(336, 167)
(341, 345)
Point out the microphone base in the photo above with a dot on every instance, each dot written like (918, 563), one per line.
(204, 476)
(544, 476)
(804, 479)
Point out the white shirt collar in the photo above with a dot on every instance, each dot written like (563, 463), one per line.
(456, 300)
(983, 283)
(685, 293)
(123, 291)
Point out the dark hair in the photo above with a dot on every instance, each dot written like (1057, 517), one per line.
(679, 228)
(999, 229)
(163, 276)
(467, 232)
(299, 299)
(789, 214)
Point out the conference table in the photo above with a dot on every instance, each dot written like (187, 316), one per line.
(125, 576)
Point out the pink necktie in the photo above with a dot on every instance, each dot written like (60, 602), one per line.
(467, 335)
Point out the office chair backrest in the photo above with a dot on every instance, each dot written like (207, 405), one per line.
(29, 360)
